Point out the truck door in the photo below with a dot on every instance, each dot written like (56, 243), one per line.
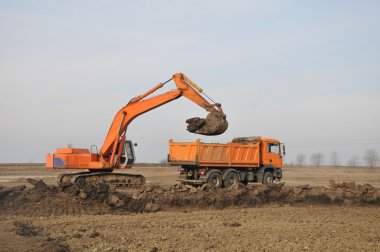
(273, 155)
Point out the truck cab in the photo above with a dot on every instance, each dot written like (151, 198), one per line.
(272, 152)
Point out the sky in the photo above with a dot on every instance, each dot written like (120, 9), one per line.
(304, 72)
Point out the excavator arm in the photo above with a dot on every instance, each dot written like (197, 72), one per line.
(215, 124)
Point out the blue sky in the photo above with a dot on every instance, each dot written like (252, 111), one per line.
(306, 72)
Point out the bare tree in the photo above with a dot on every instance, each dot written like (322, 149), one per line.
(316, 159)
(334, 159)
(353, 161)
(371, 157)
(301, 159)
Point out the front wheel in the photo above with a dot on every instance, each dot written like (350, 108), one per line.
(215, 180)
(268, 178)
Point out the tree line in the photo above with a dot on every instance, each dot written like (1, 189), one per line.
(370, 158)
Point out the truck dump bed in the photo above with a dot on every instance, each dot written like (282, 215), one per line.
(214, 155)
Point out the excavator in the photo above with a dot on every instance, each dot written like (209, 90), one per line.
(117, 152)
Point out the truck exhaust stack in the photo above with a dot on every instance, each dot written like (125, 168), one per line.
(214, 124)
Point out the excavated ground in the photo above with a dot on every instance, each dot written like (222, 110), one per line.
(75, 199)
(339, 217)
(324, 216)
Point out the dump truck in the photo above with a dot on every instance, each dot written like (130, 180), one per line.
(245, 159)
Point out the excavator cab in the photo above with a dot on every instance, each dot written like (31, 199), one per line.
(127, 157)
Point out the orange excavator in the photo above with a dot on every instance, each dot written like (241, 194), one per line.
(117, 152)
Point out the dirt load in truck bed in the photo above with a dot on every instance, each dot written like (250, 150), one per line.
(246, 140)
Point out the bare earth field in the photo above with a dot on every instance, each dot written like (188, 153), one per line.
(259, 227)
(11, 175)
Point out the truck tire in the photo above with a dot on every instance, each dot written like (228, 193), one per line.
(268, 178)
(231, 179)
(215, 180)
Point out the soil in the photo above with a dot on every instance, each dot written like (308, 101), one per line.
(214, 124)
(76, 199)
(246, 140)
(164, 216)
(308, 228)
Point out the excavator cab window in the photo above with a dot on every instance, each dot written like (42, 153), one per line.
(128, 155)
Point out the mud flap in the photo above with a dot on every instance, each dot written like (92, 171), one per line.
(214, 124)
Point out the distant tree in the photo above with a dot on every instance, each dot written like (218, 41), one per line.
(316, 159)
(371, 157)
(288, 164)
(301, 159)
(69, 145)
(334, 159)
(353, 162)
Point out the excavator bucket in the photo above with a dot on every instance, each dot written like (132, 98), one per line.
(214, 124)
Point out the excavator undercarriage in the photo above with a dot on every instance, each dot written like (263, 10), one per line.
(114, 180)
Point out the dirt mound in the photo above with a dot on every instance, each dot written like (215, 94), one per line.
(74, 199)
(45, 199)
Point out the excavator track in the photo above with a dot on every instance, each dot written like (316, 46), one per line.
(117, 180)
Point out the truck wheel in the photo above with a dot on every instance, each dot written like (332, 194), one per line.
(231, 179)
(268, 178)
(215, 180)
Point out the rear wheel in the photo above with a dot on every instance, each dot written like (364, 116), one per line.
(215, 180)
(231, 179)
(268, 178)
